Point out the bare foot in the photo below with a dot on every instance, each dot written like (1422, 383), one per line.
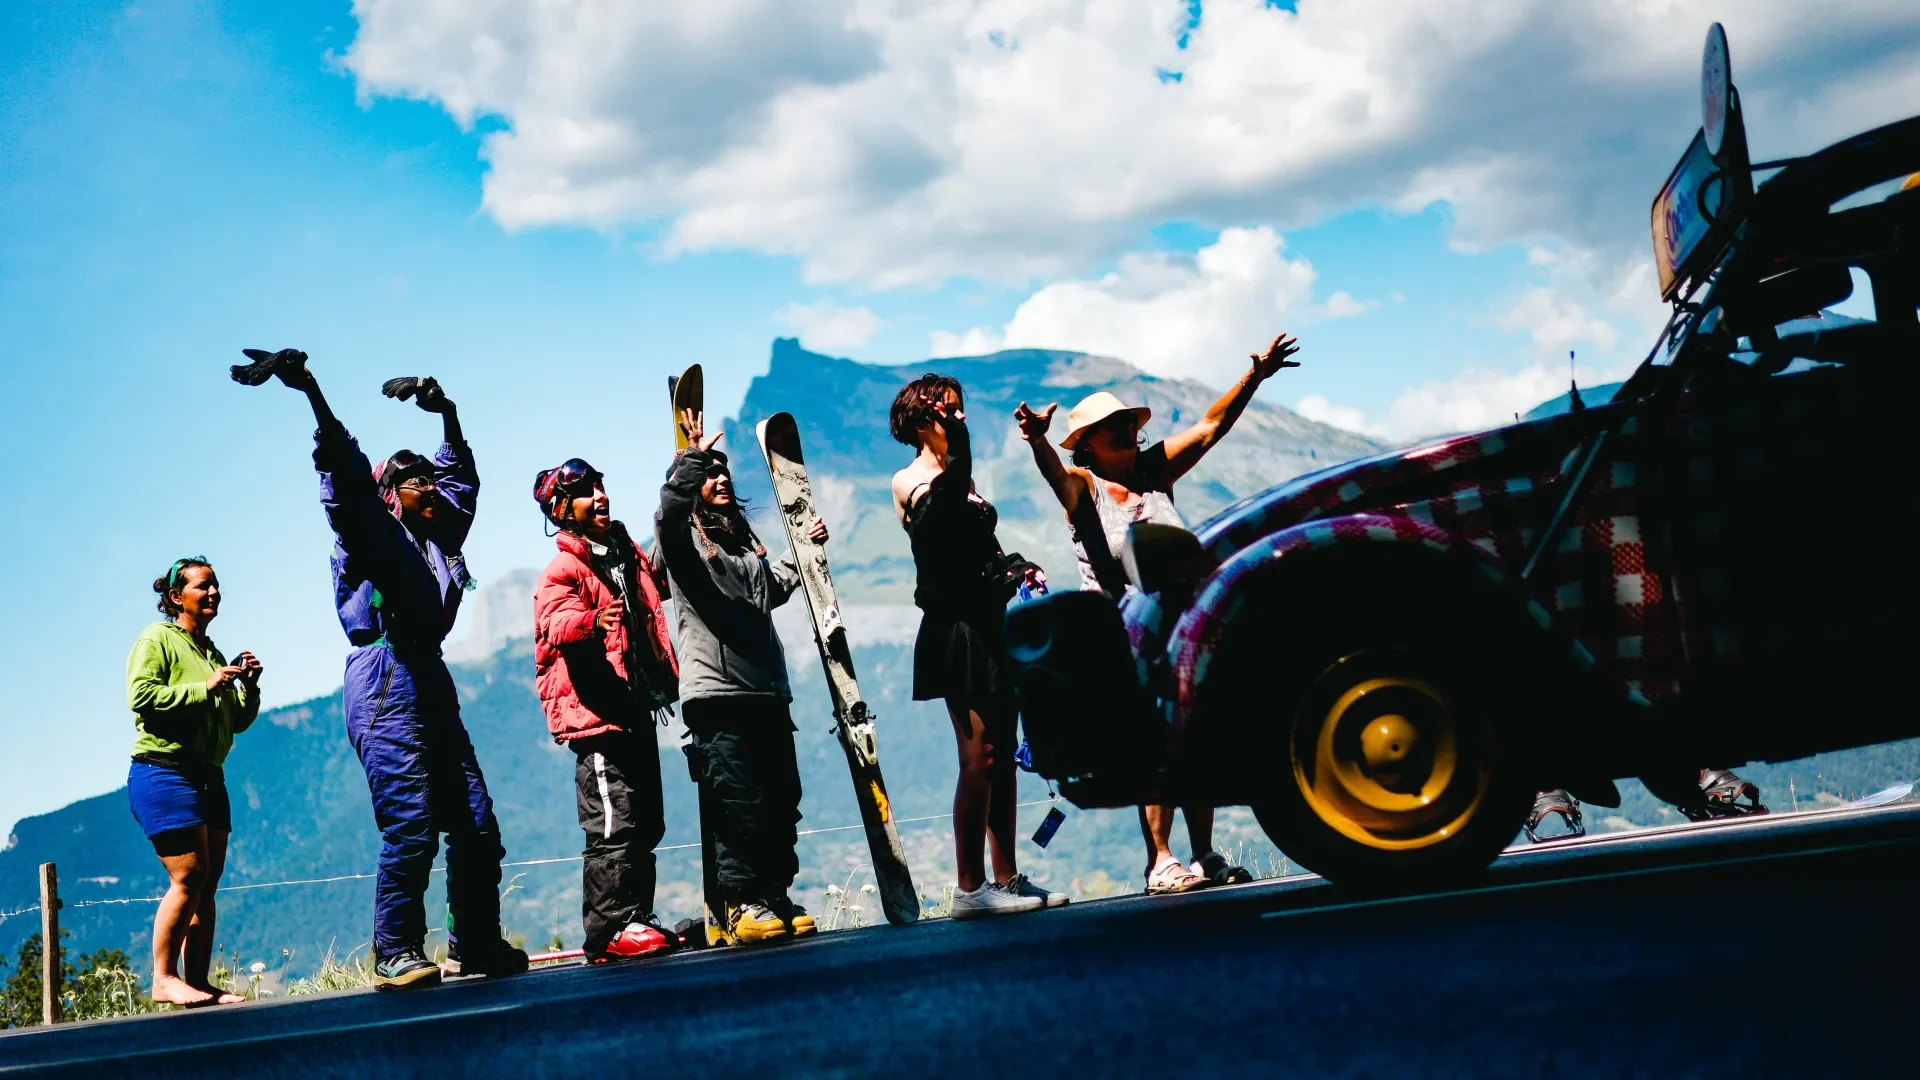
(173, 990)
(221, 997)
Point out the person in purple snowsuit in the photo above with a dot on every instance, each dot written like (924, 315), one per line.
(398, 576)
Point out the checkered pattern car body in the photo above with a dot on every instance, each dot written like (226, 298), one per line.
(1707, 548)
(1485, 498)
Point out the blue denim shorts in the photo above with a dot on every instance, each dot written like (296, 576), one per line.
(164, 799)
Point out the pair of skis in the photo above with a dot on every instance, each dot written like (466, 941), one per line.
(853, 720)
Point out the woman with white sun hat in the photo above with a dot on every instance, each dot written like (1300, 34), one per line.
(1112, 483)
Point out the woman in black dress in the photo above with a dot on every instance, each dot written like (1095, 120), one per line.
(963, 584)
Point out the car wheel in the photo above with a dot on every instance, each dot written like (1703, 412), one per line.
(1399, 771)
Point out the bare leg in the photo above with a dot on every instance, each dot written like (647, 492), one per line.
(199, 959)
(184, 854)
(1199, 829)
(970, 795)
(1003, 792)
(1156, 826)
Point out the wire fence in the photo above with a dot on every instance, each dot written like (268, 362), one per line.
(69, 905)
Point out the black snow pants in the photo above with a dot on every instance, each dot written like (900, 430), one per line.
(742, 755)
(617, 784)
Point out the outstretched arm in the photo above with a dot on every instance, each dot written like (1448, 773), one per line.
(455, 478)
(1186, 448)
(1067, 484)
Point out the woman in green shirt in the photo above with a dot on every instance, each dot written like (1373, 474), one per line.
(188, 703)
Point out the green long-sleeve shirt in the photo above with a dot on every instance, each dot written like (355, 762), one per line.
(173, 712)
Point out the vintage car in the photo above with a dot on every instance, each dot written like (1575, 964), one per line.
(1386, 659)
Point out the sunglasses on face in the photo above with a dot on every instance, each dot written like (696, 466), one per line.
(407, 469)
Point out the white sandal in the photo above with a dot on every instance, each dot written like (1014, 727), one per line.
(1173, 877)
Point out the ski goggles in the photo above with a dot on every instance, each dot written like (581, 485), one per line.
(717, 464)
(403, 466)
(571, 477)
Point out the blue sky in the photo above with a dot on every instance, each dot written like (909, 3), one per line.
(179, 180)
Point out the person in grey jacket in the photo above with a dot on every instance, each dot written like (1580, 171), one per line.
(734, 693)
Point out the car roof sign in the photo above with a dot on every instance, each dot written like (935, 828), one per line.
(1716, 88)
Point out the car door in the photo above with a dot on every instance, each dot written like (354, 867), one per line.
(1790, 577)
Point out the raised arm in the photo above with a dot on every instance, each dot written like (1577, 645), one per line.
(455, 478)
(1068, 485)
(1186, 448)
(673, 523)
(358, 516)
(956, 472)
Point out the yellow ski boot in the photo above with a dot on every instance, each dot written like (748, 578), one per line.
(755, 923)
(799, 923)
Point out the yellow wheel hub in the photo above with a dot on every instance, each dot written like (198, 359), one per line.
(1391, 763)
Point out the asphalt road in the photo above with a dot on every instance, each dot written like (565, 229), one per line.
(1773, 947)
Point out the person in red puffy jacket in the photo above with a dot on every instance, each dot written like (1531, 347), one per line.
(605, 670)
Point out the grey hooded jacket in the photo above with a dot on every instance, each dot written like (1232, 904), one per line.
(723, 603)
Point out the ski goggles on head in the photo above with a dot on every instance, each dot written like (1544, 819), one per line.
(717, 464)
(403, 466)
(572, 477)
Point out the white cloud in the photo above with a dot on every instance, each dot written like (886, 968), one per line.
(1316, 407)
(1555, 322)
(1476, 398)
(826, 325)
(895, 142)
(976, 341)
(1187, 317)
(1342, 304)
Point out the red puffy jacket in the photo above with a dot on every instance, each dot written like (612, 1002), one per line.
(581, 671)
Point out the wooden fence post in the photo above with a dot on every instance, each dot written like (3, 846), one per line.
(49, 944)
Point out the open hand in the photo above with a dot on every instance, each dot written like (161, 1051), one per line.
(610, 616)
(694, 424)
(941, 413)
(1268, 364)
(817, 532)
(1033, 424)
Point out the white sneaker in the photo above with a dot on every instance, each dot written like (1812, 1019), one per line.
(992, 899)
(1021, 885)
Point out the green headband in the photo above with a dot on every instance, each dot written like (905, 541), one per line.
(173, 573)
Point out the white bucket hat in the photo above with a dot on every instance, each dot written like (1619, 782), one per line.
(1094, 408)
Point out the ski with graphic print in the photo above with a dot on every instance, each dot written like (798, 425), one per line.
(853, 721)
(687, 391)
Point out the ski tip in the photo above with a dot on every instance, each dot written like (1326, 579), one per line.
(780, 433)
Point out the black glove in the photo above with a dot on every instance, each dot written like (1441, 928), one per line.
(426, 392)
(266, 365)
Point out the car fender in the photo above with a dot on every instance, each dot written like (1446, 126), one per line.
(1223, 598)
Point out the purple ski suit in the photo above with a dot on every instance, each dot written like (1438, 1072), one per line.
(397, 594)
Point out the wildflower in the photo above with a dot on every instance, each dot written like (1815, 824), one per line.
(257, 967)
(868, 888)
